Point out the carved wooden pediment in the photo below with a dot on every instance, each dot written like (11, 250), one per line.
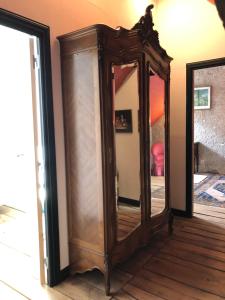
(220, 4)
(147, 33)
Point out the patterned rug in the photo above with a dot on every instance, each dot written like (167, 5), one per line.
(211, 191)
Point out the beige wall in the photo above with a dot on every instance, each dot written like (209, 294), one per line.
(65, 16)
(128, 144)
(190, 31)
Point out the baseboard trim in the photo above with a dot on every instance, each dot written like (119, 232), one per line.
(129, 201)
(63, 274)
(180, 213)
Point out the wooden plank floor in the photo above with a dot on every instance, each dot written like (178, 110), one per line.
(129, 216)
(190, 264)
(16, 265)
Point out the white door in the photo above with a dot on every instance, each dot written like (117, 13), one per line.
(37, 211)
(21, 159)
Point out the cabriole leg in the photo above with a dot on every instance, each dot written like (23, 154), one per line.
(170, 223)
(107, 276)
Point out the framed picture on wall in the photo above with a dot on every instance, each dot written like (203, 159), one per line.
(123, 121)
(202, 97)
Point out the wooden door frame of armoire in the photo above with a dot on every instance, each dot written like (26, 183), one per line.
(112, 55)
(121, 46)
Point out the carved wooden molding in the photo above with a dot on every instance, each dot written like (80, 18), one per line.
(220, 4)
(147, 33)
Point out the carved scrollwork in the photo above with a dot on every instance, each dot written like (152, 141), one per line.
(221, 10)
(147, 33)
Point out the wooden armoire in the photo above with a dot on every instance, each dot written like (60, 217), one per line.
(108, 77)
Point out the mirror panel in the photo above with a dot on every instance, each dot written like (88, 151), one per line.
(127, 148)
(157, 143)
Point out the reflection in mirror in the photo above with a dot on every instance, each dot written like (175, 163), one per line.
(157, 144)
(127, 148)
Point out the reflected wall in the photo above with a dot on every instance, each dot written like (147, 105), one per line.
(157, 143)
(127, 148)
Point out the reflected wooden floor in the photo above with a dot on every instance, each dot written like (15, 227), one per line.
(130, 216)
(190, 264)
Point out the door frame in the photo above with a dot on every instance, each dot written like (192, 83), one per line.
(42, 32)
(190, 68)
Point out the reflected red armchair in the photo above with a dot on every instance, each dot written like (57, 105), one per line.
(157, 152)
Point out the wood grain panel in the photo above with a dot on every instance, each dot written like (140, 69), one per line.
(82, 259)
(83, 147)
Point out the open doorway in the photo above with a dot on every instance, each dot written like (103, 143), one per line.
(29, 238)
(22, 191)
(205, 137)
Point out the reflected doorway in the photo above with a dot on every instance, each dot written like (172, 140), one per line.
(157, 143)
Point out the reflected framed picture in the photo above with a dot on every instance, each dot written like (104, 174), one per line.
(202, 97)
(123, 121)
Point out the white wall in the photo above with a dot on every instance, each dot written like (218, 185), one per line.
(190, 31)
(128, 144)
(17, 171)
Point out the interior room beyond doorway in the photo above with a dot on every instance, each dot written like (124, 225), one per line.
(209, 137)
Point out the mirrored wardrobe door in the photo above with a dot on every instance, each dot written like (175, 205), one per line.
(157, 143)
(127, 148)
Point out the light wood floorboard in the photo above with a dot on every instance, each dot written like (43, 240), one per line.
(189, 264)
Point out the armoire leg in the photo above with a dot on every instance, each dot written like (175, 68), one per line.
(107, 276)
(170, 224)
(107, 284)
